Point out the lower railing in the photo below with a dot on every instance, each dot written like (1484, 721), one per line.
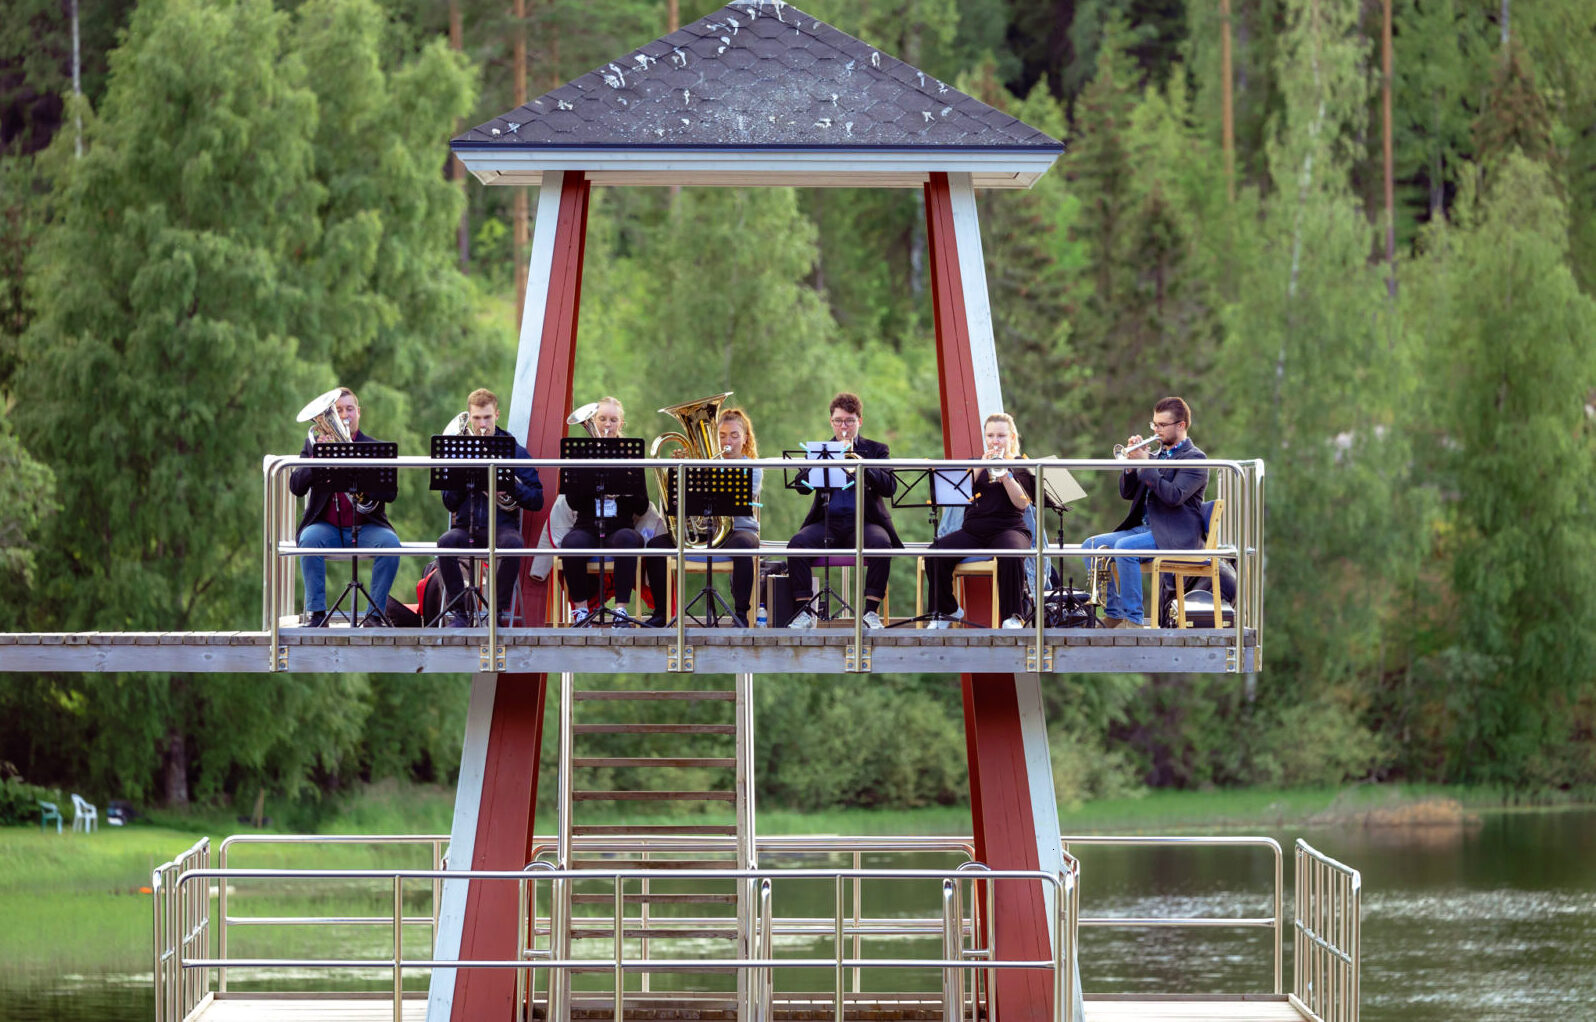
(182, 924)
(967, 950)
(1327, 922)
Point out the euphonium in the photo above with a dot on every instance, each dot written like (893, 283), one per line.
(322, 414)
(583, 417)
(699, 438)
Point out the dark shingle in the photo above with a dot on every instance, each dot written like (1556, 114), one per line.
(760, 73)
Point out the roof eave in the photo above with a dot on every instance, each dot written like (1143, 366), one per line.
(862, 167)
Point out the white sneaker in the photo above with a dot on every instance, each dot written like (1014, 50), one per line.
(872, 620)
(1012, 621)
(803, 619)
(621, 618)
(939, 622)
(578, 615)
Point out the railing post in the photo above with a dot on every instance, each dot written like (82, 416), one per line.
(837, 922)
(679, 591)
(1039, 594)
(493, 564)
(951, 1007)
(398, 948)
(858, 594)
(620, 931)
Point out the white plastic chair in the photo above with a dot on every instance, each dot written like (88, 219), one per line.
(85, 816)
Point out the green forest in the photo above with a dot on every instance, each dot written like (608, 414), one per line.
(220, 208)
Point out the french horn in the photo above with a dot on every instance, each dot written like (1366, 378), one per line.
(698, 438)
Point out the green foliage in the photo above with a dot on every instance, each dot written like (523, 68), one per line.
(19, 803)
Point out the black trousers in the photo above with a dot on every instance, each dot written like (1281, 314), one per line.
(449, 567)
(838, 532)
(1010, 570)
(742, 568)
(580, 582)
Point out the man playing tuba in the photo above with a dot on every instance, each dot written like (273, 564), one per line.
(469, 510)
(333, 519)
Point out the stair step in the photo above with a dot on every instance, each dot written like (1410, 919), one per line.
(657, 898)
(659, 864)
(590, 696)
(655, 761)
(654, 796)
(653, 828)
(653, 729)
(639, 932)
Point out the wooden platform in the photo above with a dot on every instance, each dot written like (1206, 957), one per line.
(629, 651)
(881, 1008)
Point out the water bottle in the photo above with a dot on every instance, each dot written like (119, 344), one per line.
(761, 619)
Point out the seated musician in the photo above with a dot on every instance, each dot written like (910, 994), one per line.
(830, 520)
(994, 520)
(468, 516)
(735, 432)
(1166, 508)
(624, 522)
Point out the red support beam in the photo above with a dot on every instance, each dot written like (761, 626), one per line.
(506, 814)
(1000, 788)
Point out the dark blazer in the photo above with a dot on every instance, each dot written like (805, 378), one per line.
(880, 484)
(1171, 496)
(316, 506)
(469, 511)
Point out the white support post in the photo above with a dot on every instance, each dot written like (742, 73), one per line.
(539, 266)
(977, 304)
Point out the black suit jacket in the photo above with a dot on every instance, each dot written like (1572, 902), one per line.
(880, 484)
(316, 506)
(1171, 496)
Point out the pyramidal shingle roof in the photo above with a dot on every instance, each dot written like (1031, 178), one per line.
(758, 76)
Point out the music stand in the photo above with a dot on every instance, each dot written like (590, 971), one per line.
(944, 487)
(471, 479)
(824, 480)
(601, 487)
(717, 492)
(353, 479)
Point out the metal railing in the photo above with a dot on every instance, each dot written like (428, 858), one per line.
(1327, 920)
(181, 920)
(965, 949)
(1240, 540)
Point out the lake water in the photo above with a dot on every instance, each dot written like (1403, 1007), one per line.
(1493, 921)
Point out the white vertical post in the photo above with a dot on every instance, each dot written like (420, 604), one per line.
(539, 268)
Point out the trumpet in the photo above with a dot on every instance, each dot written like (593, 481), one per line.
(1152, 445)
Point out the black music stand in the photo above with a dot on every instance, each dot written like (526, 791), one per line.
(354, 479)
(944, 487)
(472, 478)
(719, 492)
(824, 480)
(601, 487)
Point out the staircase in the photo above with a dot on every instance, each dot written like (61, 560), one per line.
(711, 732)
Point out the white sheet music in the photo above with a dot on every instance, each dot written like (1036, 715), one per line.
(823, 477)
(951, 487)
(1062, 482)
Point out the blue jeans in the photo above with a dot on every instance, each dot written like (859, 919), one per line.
(1125, 596)
(314, 569)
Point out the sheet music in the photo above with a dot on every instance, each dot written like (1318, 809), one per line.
(951, 487)
(1062, 482)
(823, 477)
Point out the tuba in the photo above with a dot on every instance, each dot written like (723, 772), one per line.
(698, 439)
(322, 414)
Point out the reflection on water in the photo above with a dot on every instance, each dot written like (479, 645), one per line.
(1493, 922)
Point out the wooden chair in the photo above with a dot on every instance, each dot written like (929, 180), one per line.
(699, 564)
(980, 569)
(604, 570)
(1183, 568)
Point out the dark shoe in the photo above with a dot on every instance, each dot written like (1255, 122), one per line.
(317, 619)
(375, 619)
(504, 620)
(739, 620)
(655, 620)
(458, 619)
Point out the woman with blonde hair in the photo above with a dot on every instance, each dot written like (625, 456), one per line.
(735, 432)
(994, 520)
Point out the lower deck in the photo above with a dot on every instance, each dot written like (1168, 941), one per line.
(685, 1008)
(638, 651)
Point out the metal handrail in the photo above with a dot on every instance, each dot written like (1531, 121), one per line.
(1327, 945)
(1236, 479)
(179, 919)
(979, 956)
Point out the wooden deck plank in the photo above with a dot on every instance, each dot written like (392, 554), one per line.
(545, 650)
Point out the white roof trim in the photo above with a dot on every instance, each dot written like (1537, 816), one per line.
(503, 165)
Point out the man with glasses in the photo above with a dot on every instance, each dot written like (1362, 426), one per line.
(1166, 509)
(830, 520)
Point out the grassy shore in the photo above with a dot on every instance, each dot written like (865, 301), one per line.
(81, 899)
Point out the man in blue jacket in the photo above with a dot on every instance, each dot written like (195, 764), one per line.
(1166, 509)
(468, 516)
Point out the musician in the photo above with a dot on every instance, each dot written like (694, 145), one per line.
(332, 519)
(994, 520)
(1166, 509)
(736, 433)
(468, 515)
(631, 521)
(830, 520)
